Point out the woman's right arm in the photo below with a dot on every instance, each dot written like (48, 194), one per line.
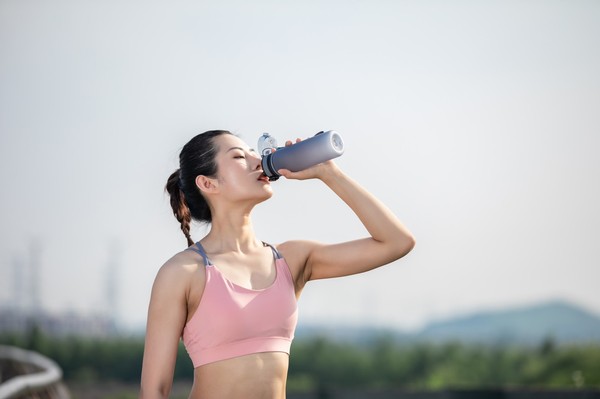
(167, 315)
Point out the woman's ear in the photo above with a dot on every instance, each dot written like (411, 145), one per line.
(206, 184)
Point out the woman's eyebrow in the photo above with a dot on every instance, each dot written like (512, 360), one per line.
(241, 149)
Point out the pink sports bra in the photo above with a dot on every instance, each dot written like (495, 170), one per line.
(234, 321)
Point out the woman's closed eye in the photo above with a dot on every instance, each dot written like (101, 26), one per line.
(239, 153)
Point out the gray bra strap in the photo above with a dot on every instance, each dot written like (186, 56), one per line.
(198, 248)
(275, 252)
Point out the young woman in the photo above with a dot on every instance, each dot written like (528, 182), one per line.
(232, 297)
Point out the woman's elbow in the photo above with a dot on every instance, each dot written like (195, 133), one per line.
(155, 388)
(404, 246)
(152, 393)
(412, 241)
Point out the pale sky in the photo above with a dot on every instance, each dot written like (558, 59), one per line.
(476, 122)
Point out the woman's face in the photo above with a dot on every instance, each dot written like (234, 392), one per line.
(239, 172)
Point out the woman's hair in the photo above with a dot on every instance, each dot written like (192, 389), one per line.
(196, 158)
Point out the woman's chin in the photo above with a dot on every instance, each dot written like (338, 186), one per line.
(267, 193)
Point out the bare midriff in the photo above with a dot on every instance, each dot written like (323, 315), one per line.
(255, 376)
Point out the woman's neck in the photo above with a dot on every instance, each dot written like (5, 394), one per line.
(231, 232)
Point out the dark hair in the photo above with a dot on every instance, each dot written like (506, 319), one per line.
(197, 157)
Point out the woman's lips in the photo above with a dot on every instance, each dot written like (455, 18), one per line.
(263, 177)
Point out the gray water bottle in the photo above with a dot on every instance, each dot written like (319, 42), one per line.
(320, 148)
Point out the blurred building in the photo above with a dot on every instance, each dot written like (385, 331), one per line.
(24, 309)
(70, 323)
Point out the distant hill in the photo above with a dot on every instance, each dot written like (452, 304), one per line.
(564, 322)
(528, 325)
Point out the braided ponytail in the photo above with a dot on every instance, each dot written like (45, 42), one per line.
(196, 158)
(180, 207)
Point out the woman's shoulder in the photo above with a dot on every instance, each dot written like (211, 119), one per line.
(296, 252)
(297, 247)
(180, 266)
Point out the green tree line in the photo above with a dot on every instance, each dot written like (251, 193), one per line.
(318, 363)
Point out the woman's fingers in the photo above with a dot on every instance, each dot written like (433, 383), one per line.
(289, 142)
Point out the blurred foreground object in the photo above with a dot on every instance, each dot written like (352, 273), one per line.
(27, 374)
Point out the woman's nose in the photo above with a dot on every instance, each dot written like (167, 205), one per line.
(256, 159)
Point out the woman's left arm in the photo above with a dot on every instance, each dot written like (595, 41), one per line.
(390, 239)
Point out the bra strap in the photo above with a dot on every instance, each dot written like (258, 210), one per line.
(276, 253)
(198, 248)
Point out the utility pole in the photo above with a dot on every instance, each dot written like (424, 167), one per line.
(18, 298)
(112, 282)
(35, 252)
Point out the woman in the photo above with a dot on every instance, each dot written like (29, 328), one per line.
(232, 297)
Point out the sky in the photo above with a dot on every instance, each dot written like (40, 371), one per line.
(476, 122)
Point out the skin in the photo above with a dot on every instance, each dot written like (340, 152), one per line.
(241, 257)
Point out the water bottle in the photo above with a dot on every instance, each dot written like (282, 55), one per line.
(299, 156)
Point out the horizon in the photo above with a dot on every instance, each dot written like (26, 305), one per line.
(119, 328)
